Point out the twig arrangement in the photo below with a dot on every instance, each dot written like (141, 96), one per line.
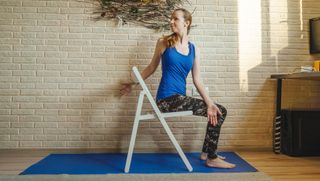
(153, 14)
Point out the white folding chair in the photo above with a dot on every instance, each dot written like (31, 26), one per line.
(158, 115)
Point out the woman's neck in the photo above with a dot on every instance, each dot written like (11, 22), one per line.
(182, 38)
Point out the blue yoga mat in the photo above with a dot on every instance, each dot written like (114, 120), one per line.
(142, 163)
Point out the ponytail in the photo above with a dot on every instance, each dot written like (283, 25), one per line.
(170, 40)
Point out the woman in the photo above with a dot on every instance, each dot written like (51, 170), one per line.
(179, 57)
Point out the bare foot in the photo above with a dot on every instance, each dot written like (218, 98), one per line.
(204, 156)
(219, 163)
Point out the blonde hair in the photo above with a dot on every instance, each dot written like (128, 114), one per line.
(172, 39)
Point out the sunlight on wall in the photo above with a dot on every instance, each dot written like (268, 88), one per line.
(249, 14)
(301, 19)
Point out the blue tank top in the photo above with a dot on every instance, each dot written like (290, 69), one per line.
(175, 69)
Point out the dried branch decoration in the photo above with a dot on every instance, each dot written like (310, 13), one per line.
(153, 14)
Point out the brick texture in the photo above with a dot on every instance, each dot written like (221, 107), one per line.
(60, 73)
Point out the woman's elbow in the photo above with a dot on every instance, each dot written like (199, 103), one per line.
(153, 67)
(196, 81)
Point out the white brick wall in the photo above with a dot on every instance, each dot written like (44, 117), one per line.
(60, 74)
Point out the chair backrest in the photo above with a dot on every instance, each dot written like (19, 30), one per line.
(145, 89)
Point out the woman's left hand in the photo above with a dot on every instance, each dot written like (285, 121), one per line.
(126, 88)
(213, 113)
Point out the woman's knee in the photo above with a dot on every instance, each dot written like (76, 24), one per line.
(223, 110)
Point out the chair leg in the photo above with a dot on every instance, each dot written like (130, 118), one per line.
(167, 129)
(175, 143)
(134, 132)
(160, 117)
(131, 146)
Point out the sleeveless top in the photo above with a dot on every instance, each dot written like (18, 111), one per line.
(175, 69)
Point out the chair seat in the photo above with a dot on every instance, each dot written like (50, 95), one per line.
(166, 115)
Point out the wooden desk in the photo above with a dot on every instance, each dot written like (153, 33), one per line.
(301, 75)
(277, 120)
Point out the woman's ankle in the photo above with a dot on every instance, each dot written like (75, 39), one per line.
(203, 156)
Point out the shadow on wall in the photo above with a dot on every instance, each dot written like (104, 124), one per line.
(287, 46)
(112, 130)
(104, 115)
(302, 94)
(284, 49)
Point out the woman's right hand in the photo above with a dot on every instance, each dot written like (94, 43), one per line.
(213, 113)
(126, 88)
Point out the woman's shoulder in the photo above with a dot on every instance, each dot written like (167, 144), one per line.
(161, 45)
(161, 41)
(192, 44)
(196, 50)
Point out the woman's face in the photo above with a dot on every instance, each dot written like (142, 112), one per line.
(177, 22)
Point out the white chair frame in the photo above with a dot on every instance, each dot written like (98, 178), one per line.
(160, 116)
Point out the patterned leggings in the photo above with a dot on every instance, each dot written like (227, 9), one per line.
(198, 107)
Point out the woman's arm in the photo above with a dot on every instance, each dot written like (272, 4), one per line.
(149, 70)
(213, 111)
(197, 81)
(152, 67)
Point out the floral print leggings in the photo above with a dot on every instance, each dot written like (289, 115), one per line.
(198, 107)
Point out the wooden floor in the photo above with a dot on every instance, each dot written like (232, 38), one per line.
(279, 167)
(282, 167)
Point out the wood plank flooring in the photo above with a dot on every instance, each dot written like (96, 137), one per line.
(282, 167)
(279, 167)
